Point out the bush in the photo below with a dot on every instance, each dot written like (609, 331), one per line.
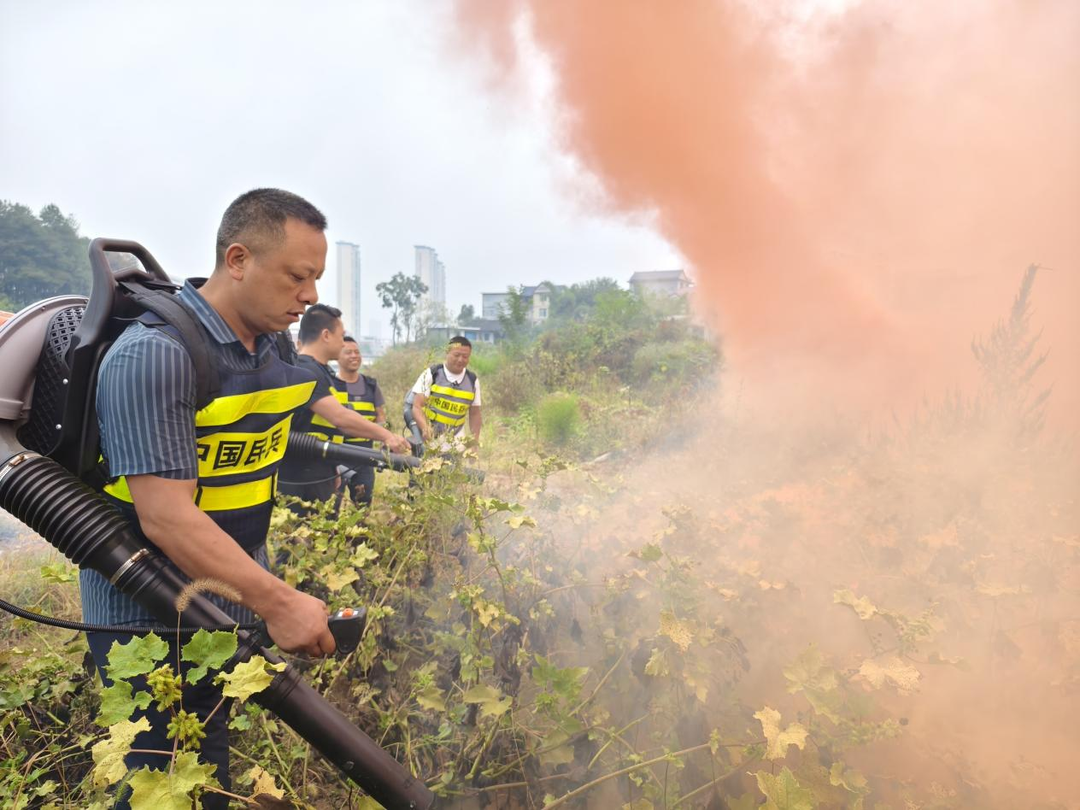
(397, 371)
(558, 418)
(675, 366)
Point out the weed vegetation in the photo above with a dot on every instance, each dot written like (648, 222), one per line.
(774, 614)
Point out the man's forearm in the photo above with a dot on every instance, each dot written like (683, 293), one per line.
(418, 414)
(200, 548)
(476, 421)
(349, 421)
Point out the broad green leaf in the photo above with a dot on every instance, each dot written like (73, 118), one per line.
(264, 783)
(863, 607)
(810, 672)
(432, 698)
(363, 554)
(783, 791)
(491, 701)
(208, 651)
(559, 752)
(657, 665)
(336, 580)
(165, 790)
(850, 780)
(117, 703)
(136, 657)
(891, 671)
(248, 678)
(778, 741)
(817, 680)
(109, 754)
(748, 801)
(650, 552)
(60, 572)
(517, 521)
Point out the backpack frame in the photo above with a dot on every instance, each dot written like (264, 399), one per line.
(63, 423)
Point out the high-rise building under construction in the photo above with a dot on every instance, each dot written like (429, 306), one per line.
(348, 292)
(432, 273)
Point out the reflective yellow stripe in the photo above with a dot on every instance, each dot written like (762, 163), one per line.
(365, 409)
(226, 410)
(452, 392)
(231, 453)
(235, 496)
(213, 499)
(446, 420)
(448, 406)
(322, 437)
(340, 396)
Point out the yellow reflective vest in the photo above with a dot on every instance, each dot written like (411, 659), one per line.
(447, 406)
(241, 437)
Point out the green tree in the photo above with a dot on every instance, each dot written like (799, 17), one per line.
(467, 316)
(578, 301)
(401, 294)
(40, 256)
(515, 316)
(1009, 360)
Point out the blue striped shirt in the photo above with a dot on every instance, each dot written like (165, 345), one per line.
(146, 413)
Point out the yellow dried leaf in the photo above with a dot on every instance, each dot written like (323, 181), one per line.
(893, 671)
(678, 631)
(777, 740)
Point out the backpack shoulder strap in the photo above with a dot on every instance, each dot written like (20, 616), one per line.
(472, 377)
(435, 369)
(286, 348)
(173, 313)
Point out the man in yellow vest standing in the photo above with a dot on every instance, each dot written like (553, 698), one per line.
(198, 484)
(366, 398)
(447, 395)
(322, 335)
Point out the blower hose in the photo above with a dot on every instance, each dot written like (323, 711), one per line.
(306, 446)
(83, 627)
(89, 532)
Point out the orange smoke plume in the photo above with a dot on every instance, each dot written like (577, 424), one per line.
(857, 192)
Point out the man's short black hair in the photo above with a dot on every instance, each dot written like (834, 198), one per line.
(460, 340)
(317, 318)
(350, 339)
(257, 220)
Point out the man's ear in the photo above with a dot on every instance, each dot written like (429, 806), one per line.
(237, 260)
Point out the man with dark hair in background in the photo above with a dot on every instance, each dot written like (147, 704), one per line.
(447, 395)
(199, 485)
(322, 335)
(366, 398)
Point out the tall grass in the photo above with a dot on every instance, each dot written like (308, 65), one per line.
(558, 418)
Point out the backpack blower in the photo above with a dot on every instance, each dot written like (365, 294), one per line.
(49, 450)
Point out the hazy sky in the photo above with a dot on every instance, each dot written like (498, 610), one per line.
(144, 120)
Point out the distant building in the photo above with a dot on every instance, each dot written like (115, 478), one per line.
(372, 348)
(348, 297)
(483, 331)
(537, 301)
(671, 283)
(493, 305)
(432, 272)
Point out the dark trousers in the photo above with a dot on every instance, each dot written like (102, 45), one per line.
(200, 698)
(362, 485)
(317, 491)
